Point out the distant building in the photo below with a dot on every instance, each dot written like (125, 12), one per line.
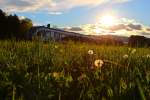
(46, 33)
(139, 41)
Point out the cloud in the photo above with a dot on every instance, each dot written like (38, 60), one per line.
(69, 4)
(20, 3)
(118, 27)
(76, 29)
(126, 24)
(136, 27)
(36, 24)
(129, 27)
(25, 5)
(125, 27)
(127, 21)
(148, 29)
(22, 17)
(145, 33)
(55, 13)
(50, 5)
(121, 1)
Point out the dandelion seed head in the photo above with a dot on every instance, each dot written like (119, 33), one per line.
(133, 51)
(98, 63)
(129, 49)
(55, 46)
(81, 77)
(55, 74)
(123, 84)
(125, 56)
(90, 52)
(148, 55)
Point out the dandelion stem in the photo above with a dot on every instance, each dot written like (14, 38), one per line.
(13, 94)
(59, 98)
(140, 89)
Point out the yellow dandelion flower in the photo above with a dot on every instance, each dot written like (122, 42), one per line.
(98, 63)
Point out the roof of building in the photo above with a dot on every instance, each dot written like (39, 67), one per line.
(56, 30)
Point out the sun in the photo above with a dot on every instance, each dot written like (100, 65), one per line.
(107, 20)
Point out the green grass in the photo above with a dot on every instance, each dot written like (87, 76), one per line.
(56, 71)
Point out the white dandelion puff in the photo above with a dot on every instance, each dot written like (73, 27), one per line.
(81, 77)
(129, 49)
(56, 46)
(148, 55)
(98, 63)
(125, 56)
(90, 52)
(55, 74)
(133, 51)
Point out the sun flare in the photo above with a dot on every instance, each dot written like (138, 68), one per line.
(107, 20)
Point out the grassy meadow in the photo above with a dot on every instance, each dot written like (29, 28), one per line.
(73, 71)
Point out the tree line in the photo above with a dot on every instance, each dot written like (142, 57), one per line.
(11, 27)
(133, 40)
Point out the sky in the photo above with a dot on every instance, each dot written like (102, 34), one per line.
(98, 17)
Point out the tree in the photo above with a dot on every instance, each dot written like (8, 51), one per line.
(13, 27)
(48, 25)
(25, 25)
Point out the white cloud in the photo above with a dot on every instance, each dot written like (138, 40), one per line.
(148, 29)
(36, 24)
(22, 17)
(69, 4)
(126, 27)
(25, 5)
(50, 5)
(55, 13)
(121, 1)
